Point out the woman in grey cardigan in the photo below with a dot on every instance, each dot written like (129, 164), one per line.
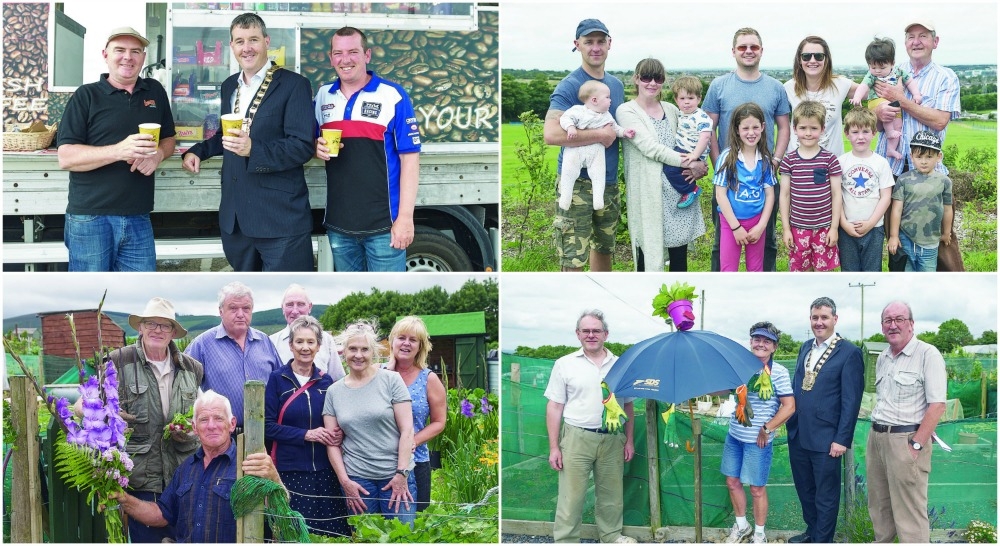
(654, 221)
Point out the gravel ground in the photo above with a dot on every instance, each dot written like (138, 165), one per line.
(533, 539)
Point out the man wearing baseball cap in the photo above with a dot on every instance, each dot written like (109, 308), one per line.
(582, 232)
(111, 165)
(158, 382)
(938, 84)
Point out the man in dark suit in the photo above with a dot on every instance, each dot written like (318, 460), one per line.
(264, 214)
(828, 383)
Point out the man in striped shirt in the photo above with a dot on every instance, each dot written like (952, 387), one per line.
(233, 352)
(940, 89)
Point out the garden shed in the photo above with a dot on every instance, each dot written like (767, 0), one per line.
(459, 341)
(870, 350)
(58, 350)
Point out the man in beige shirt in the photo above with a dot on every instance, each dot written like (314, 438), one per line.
(583, 444)
(911, 388)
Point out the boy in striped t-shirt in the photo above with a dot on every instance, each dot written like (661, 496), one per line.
(810, 200)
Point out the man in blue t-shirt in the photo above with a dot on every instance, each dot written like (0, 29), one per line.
(748, 84)
(581, 229)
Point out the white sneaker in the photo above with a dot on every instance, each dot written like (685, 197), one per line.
(625, 539)
(759, 538)
(737, 535)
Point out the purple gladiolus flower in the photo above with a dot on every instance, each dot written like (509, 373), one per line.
(90, 389)
(467, 408)
(62, 409)
(484, 405)
(76, 435)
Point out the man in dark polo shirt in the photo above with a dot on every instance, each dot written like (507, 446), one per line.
(111, 164)
(372, 183)
(196, 501)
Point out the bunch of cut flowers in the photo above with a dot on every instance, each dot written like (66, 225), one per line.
(90, 450)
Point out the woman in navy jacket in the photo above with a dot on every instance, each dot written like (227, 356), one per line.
(296, 438)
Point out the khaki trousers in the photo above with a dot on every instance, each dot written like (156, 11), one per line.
(604, 454)
(897, 488)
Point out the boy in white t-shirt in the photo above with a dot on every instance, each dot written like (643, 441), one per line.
(867, 193)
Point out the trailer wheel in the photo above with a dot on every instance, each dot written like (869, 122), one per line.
(432, 250)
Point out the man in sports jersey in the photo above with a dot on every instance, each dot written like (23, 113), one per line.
(372, 182)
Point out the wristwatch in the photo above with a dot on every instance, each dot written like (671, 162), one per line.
(766, 431)
(916, 445)
(406, 472)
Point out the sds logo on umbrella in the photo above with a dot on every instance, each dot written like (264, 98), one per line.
(651, 384)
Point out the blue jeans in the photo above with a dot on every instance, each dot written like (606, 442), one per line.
(861, 253)
(365, 253)
(918, 258)
(110, 243)
(377, 501)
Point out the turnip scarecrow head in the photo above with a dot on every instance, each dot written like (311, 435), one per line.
(674, 305)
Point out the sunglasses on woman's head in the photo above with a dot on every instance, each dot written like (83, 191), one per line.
(646, 78)
(753, 47)
(817, 56)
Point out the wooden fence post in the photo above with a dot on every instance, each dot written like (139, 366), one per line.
(252, 525)
(653, 459)
(26, 493)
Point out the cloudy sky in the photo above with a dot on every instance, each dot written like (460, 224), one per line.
(196, 293)
(541, 309)
(699, 34)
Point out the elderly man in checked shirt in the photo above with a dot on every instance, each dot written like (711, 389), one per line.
(233, 352)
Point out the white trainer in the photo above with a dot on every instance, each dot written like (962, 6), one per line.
(625, 539)
(737, 535)
(759, 538)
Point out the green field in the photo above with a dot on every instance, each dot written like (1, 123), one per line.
(964, 134)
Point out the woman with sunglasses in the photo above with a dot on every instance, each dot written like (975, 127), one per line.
(658, 228)
(813, 79)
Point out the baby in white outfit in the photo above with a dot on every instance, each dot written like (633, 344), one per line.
(592, 114)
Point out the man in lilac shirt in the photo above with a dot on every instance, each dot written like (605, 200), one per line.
(233, 352)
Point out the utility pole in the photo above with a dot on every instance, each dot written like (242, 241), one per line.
(850, 486)
(862, 287)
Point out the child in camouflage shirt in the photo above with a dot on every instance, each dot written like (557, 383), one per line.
(921, 215)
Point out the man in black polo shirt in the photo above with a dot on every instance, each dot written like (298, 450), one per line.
(111, 165)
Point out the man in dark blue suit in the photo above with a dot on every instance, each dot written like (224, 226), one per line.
(264, 214)
(828, 383)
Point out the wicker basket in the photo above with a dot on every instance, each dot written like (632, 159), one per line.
(28, 142)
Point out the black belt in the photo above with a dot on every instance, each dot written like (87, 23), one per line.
(597, 430)
(894, 428)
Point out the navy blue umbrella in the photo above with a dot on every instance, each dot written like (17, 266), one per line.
(678, 366)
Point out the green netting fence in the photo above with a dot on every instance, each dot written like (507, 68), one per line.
(963, 483)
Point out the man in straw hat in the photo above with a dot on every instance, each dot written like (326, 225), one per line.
(111, 165)
(157, 381)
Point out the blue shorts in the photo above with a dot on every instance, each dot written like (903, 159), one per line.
(746, 461)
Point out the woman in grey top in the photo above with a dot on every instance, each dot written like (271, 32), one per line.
(372, 406)
(655, 224)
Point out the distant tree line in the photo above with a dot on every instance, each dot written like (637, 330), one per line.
(386, 306)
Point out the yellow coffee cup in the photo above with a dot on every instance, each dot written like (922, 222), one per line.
(332, 137)
(231, 121)
(151, 129)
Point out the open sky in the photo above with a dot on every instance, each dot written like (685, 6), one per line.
(541, 309)
(685, 35)
(197, 293)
